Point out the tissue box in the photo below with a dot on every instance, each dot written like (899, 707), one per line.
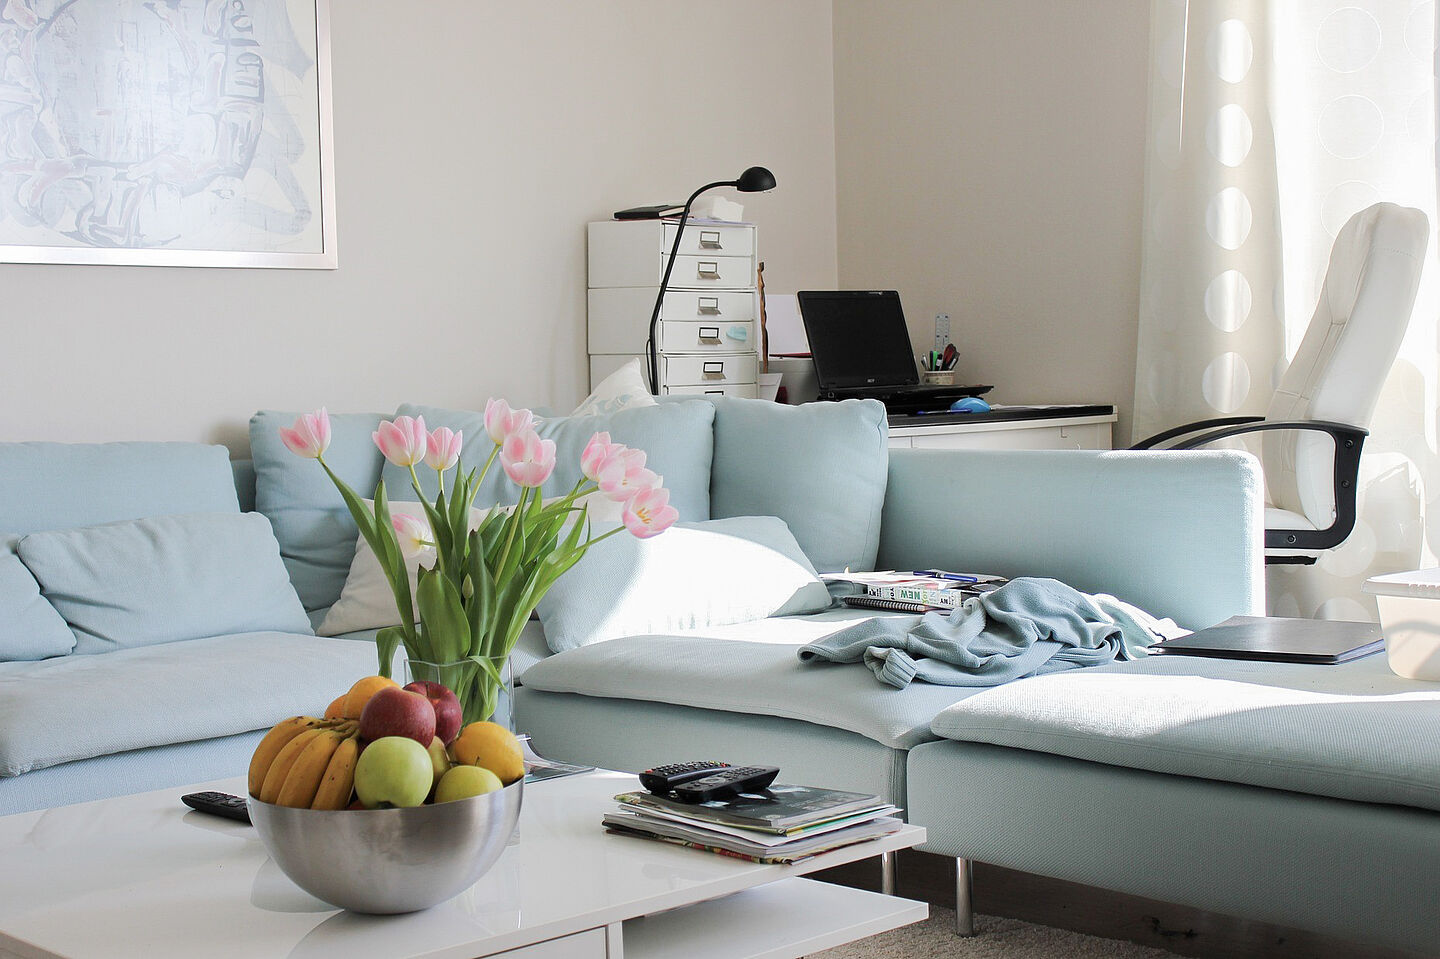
(1409, 606)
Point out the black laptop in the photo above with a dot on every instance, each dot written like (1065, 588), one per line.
(862, 350)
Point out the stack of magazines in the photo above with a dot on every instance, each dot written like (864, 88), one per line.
(782, 824)
(914, 591)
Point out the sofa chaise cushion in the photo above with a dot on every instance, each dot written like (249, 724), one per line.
(750, 668)
(1354, 731)
(76, 707)
(165, 579)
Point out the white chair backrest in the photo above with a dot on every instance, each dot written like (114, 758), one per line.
(1348, 349)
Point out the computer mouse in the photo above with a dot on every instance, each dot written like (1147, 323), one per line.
(970, 404)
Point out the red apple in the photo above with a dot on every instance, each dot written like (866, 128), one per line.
(393, 711)
(447, 708)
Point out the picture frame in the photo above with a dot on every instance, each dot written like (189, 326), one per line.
(172, 133)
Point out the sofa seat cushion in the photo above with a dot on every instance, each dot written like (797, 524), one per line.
(1354, 731)
(750, 668)
(76, 707)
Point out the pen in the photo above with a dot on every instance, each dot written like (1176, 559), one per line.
(941, 574)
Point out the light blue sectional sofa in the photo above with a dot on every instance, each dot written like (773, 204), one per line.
(1302, 796)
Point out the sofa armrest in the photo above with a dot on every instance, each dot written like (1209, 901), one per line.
(1179, 534)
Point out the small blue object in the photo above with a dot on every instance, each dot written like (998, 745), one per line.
(970, 404)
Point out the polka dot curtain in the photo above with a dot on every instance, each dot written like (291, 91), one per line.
(1271, 123)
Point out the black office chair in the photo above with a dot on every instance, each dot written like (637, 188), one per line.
(1315, 426)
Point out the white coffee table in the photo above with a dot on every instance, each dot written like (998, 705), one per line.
(143, 876)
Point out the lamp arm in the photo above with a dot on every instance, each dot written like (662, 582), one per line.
(650, 345)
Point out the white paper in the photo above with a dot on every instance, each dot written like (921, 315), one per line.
(783, 324)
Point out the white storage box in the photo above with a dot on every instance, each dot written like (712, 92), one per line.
(1410, 621)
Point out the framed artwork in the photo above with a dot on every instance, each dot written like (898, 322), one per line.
(166, 133)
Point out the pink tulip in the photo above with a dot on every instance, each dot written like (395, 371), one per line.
(310, 436)
(404, 441)
(412, 534)
(528, 460)
(442, 448)
(649, 513)
(596, 454)
(624, 474)
(501, 421)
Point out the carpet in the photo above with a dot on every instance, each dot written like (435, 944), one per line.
(995, 938)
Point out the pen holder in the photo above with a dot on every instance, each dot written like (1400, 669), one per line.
(938, 377)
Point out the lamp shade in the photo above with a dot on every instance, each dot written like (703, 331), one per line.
(755, 180)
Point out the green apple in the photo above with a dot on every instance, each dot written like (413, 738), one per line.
(462, 782)
(439, 759)
(393, 771)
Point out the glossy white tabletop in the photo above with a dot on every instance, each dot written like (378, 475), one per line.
(143, 875)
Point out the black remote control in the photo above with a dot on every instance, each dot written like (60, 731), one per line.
(662, 779)
(218, 804)
(727, 782)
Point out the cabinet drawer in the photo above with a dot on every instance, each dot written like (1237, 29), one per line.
(705, 305)
(711, 239)
(707, 337)
(745, 391)
(697, 272)
(708, 370)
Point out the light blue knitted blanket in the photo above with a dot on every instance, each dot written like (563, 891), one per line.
(1027, 627)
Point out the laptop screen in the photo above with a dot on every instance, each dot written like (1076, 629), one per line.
(858, 338)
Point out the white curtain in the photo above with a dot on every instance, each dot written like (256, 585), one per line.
(1271, 122)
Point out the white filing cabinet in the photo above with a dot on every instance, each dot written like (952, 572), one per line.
(709, 320)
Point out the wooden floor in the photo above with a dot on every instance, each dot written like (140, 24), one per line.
(1099, 912)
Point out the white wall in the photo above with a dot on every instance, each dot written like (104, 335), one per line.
(990, 165)
(473, 141)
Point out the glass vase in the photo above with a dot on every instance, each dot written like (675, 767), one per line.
(481, 697)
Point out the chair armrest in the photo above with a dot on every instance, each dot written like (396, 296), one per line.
(1178, 534)
(1348, 442)
(1150, 442)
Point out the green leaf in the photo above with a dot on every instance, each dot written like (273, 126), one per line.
(482, 601)
(386, 642)
(447, 631)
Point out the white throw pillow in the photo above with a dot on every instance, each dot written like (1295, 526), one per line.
(367, 602)
(735, 570)
(622, 390)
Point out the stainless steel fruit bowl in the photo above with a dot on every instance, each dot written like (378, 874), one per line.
(389, 860)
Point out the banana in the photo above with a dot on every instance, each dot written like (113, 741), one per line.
(339, 781)
(271, 745)
(308, 770)
(284, 762)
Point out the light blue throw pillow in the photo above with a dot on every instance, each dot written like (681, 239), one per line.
(314, 529)
(30, 628)
(165, 579)
(677, 439)
(735, 570)
(821, 467)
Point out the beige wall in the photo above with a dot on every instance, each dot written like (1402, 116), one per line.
(473, 141)
(990, 165)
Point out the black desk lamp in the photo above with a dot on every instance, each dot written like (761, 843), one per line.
(754, 180)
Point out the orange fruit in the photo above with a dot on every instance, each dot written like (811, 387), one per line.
(354, 701)
(336, 710)
(492, 746)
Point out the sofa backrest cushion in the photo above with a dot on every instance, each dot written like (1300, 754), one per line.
(821, 467)
(60, 485)
(30, 628)
(677, 438)
(735, 570)
(312, 525)
(164, 579)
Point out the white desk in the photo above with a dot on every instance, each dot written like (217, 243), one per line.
(1058, 428)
